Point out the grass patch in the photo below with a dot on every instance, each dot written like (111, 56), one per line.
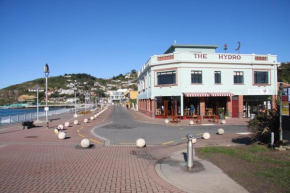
(256, 167)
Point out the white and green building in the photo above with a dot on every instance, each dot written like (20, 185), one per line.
(241, 84)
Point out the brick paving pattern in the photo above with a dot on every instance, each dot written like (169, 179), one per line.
(35, 160)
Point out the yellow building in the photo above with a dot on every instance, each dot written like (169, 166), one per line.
(130, 97)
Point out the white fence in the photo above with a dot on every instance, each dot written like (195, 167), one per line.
(5, 120)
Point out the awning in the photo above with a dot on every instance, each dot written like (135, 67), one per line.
(207, 94)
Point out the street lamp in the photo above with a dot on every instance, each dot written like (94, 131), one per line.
(75, 90)
(46, 73)
(280, 129)
(37, 89)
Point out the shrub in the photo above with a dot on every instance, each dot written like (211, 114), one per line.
(265, 123)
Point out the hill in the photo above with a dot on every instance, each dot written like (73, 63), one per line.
(83, 82)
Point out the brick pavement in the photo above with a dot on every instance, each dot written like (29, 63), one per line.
(35, 160)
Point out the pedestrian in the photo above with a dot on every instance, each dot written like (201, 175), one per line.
(192, 109)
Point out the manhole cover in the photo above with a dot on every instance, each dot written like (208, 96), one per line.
(31, 136)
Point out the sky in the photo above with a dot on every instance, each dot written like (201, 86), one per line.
(106, 38)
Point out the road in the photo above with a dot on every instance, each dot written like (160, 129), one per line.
(125, 130)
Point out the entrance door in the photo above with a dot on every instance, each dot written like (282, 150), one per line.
(165, 109)
(235, 108)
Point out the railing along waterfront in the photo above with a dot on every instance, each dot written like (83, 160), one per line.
(6, 120)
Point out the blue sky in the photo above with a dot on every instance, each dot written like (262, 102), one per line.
(106, 38)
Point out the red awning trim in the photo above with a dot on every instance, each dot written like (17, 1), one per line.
(207, 94)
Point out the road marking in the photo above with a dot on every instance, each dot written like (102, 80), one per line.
(200, 134)
(181, 128)
(245, 133)
(127, 143)
(81, 127)
(95, 141)
(184, 138)
(106, 116)
(81, 135)
(89, 125)
(78, 131)
(167, 142)
(206, 124)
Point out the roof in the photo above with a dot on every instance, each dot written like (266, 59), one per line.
(172, 47)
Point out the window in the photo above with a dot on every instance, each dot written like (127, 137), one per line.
(168, 77)
(238, 77)
(261, 77)
(217, 77)
(196, 77)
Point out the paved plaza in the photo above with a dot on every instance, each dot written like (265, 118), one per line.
(35, 160)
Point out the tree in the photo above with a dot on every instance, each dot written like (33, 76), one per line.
(283, 72)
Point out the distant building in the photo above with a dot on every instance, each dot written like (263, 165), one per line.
(72, 100)
(35, 90)
(117, 96)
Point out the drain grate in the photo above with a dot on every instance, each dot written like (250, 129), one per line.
(31, 136)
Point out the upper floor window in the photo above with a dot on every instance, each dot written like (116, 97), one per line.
(196, 77)
(261, 77)
(217, 77)
(168, 77)
(238, 77)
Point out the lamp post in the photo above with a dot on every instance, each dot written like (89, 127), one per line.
(75, 89)
(37, 114)
(46, 73)
(280, 129)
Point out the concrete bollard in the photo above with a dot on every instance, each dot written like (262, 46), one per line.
(140, 142)
(221, 131)
(206, 136)
(60, 126)
(61, 135)
(76, 122)
(191, 122)
(85, 143)
(66, 124)
(56, 131)
(92, 118)
(223, 122)
(166, 121)
(86, 120)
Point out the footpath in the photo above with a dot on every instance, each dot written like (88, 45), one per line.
(35, 160)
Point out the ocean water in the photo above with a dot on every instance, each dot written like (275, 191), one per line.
(8, 112)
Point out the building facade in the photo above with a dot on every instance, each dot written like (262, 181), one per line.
(117, 97)
(195, 75)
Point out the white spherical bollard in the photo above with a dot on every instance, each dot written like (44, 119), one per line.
(221, 131)
(86, 120)
(223, 121)
(206, 136)
(85, 143)
(193, 140)
(95, 115)
(56, 131)
(60, 126)
(66, 124)
(76, 122)
(61, 135)
(92, 118)
(191, 122)
(140, 142)
(166, 121)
